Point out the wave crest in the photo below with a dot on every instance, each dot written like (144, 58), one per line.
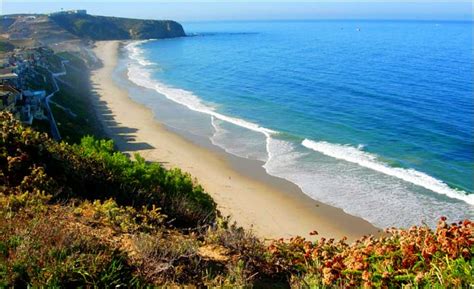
(364, 159)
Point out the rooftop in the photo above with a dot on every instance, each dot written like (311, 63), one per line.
(8, 76)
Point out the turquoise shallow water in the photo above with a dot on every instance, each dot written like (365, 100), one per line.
(375, 117)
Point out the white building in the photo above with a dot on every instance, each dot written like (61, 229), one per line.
(65, 12)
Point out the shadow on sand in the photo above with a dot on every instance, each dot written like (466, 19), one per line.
(124, 137)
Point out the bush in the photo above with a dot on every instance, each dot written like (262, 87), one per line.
(93, 170)
(418, 256)
(174, 191)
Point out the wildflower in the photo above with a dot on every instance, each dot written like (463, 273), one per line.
(419, 277)
(328, 277)
(366, 276)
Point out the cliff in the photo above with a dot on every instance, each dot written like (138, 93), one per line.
(111, 28)
(58, 27)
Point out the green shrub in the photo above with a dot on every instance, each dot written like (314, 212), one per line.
(175, 192)
(93, 170)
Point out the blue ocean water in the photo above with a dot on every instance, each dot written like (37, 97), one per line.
(375, 117)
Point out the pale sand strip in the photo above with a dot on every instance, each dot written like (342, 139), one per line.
(273, 207)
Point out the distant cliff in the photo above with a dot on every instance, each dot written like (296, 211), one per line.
(41, 29)
(109, 28)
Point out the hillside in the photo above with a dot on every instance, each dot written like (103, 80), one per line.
(6, 46)
(110, 28)
(119, 222)
(49, 29)
(36, 30)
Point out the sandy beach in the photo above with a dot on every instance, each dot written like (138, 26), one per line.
(270, 206)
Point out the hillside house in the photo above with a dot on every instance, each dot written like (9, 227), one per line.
(66, 12)
(8, 76)
(8, 97)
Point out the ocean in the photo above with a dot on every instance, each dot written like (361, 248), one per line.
(374, 117)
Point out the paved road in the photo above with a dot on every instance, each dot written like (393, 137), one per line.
(49, 113)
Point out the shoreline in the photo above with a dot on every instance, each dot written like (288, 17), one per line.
(271, 207)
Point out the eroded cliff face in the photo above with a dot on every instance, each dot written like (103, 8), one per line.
(111, 28)
(157, 29)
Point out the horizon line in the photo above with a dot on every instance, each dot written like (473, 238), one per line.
(272, 19)
(326, 19)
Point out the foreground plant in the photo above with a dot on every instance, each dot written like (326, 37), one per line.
(88, 216)
(418, 256)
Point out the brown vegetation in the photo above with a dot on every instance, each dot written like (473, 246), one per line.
(85, 215)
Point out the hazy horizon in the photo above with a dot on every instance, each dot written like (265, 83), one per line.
(188, 11)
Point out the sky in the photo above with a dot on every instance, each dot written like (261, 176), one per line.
(193, 10)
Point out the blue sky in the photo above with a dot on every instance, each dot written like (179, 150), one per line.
(192, 10)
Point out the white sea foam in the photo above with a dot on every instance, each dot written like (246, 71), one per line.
(354, 155)
(381, 199)
(239, 141)
(352, 193)
(143, 78)
(137, 54)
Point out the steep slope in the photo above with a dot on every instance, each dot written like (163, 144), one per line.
(109, 28)
(123, 223)
(5, 45)
(39, 28)
(5, 22)
(51, 29)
